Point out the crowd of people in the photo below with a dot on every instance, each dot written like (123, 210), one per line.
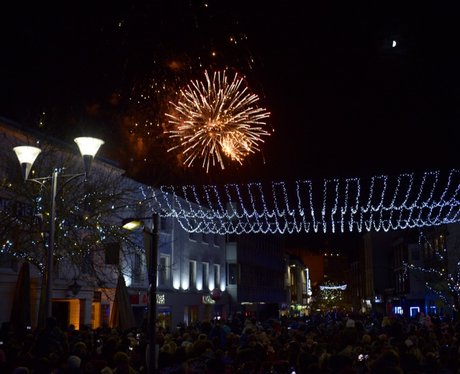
(330, 342)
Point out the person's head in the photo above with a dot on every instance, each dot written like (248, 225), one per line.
(121, 359)
(80, 349)
(73, 362)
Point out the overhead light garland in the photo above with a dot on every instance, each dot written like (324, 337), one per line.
(341, 287)
(381, 203)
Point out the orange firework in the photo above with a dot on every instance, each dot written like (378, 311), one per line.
(216, 119)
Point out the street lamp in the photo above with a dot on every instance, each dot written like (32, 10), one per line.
(151, 251)
(27, 156)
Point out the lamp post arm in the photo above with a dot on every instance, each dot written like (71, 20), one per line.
(41, 181)
(71, 177)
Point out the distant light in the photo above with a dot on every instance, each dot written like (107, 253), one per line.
(394, 43)
(341, 287)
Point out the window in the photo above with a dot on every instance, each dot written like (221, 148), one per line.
(137, 268)
(216, 276)
(232, 274)
(16, 208)
(112, 253)
(165, 225)
(192, 274)
(205, 275)
(398, 310)
(86, 264)
(8, 261)
(164, 270)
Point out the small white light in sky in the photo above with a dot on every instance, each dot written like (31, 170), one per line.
(394, 43)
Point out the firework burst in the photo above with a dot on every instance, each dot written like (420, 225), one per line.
(216, 119)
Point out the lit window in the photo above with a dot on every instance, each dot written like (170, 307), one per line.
(399, 310)
(164, 270)
(414, 311)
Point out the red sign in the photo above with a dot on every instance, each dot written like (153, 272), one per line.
(134, 299)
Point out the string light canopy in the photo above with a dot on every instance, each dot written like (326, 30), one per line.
(341, 287)
(379, 203)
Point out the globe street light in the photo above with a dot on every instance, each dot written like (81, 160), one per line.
(27, 155)
(151, 251)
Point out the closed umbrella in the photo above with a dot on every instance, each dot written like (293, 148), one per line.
(122, 315)
(20, 310)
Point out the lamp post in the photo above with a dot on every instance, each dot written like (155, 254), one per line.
(151, 249)
(27, 155)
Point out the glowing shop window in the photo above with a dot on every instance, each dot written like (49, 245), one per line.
(414, 310)
(399, 310)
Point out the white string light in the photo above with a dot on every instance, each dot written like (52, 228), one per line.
(382, 203)
(442, 284)
(341, 287)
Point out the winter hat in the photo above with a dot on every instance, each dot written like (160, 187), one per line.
(73, 362)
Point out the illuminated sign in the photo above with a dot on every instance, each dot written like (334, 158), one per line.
(207, 299)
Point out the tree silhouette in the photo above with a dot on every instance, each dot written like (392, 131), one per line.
(89, 212)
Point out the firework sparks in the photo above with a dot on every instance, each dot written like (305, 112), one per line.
(217, 119)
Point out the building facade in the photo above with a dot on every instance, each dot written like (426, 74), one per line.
(191, 275)
(256, 268)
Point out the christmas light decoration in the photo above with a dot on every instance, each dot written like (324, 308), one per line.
(330, 295)
(381, 203)
(217, 118)
(440, 282)
(341, 287)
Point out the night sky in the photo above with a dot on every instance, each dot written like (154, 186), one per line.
(352, 90)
